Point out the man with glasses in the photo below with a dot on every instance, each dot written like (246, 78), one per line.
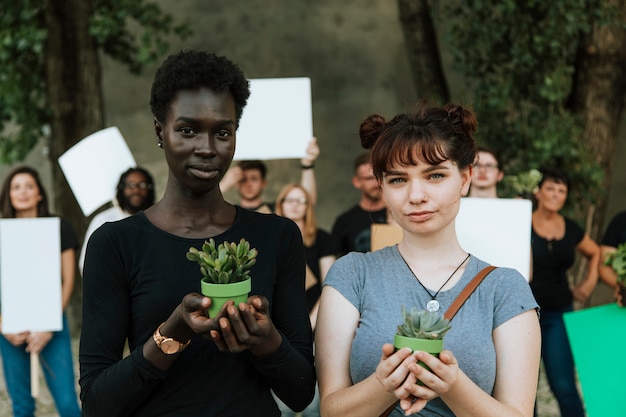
(486, 175)
(135, 192)
(352, 229)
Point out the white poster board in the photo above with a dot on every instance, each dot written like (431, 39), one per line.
(496, 230)
(93, 167)
(277, 122)
(30, 274)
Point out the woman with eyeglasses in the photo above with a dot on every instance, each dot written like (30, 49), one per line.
(294, 202)
(23, 196)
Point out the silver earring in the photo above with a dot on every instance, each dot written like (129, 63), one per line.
(160, 144)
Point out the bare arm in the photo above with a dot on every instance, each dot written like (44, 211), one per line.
(590, 249)
(325, 264)
(607, 274)
(336, 326)
(308, 174)
(231, 178)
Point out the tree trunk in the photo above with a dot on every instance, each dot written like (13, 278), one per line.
(420, 37)
(75, 99)
(598, 98)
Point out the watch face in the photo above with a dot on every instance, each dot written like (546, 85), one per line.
(170, 346)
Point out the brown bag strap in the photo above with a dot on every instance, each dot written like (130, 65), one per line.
(467, 291)
(454, 307)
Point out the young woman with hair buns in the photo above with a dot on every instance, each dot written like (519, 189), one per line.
(489, 366)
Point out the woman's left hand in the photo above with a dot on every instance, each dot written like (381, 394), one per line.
(247, 326)
(37, 341)
(443, 375)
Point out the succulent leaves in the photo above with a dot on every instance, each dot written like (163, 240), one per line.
(617, 261)
(422, 324)
(226, 263)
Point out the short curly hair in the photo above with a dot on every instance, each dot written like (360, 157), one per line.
(190, 70)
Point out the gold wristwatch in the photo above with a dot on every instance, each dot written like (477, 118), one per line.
(168, 345)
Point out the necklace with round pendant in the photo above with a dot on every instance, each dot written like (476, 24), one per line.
(433, 304)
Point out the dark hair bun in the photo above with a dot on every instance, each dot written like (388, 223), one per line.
(461, 116)
(370, 130)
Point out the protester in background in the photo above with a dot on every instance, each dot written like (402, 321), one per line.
(486, 175)
(294, 203)
(422, 161)
(181, 362)
(250, 179)
(135, 192)
(352, 229)
(555, 240)
(23, 196)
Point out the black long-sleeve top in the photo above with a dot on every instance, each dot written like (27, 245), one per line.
(136, 274)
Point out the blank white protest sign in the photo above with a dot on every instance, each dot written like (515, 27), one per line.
(30, 274)
(497, 230)
(93, 167)
(277, 122)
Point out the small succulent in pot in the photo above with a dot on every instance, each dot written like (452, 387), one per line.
(422, 324)
(226, 263)
(421, 330)
(226, 271)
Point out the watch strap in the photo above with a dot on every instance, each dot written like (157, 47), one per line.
(159, 339)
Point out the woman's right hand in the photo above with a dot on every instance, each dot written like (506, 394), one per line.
(393, 373)
(17, 339)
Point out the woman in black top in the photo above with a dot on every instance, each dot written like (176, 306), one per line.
(136, 275)
(555, 240)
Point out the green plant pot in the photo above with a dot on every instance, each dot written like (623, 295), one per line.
(434, 347)
(220, 293)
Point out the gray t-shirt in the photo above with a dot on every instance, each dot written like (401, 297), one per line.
(379, 283)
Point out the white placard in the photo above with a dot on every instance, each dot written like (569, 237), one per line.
(93, 167)
(496, 230)
(30, 274)
(277, 122)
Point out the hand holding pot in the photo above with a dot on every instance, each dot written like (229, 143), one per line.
(393, 372)
(442, 376)
(247, 326)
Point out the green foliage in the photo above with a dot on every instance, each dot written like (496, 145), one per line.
(422, 324)
(130, 31)
(226, 263)
(115, 26)
(23, 113)
(617, 261)
(522, 57)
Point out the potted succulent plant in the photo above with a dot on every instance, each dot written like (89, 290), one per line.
(617, 261)
(225, 269)
(421, 330)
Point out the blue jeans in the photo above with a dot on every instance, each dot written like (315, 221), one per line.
(58, 368)
(559, 363)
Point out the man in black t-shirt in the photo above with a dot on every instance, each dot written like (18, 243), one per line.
(352, 229)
